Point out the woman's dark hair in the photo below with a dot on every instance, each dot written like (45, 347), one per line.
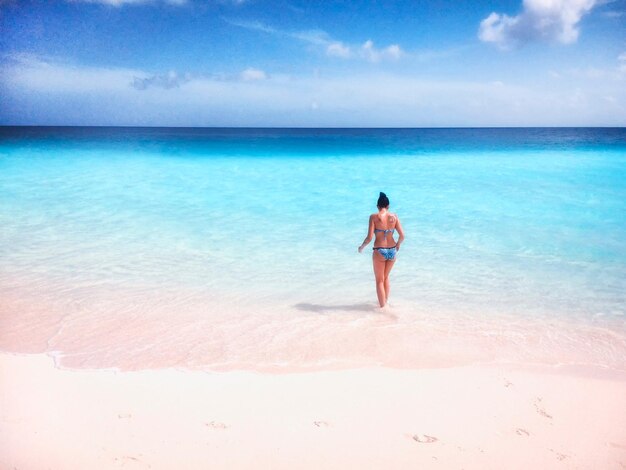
(383, 201)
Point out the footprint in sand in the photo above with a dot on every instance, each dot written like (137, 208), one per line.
(124, 459)
(559, 456)
(216, 425)
(540, 409)
(321, 424)
(424, 438)
(522, 432)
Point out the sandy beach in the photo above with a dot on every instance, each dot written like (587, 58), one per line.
(464, 417)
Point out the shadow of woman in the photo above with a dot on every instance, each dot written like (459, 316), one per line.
(364, 307)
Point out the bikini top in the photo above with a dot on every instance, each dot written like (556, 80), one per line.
(383, 230)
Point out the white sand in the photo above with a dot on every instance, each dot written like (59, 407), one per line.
(464, 417)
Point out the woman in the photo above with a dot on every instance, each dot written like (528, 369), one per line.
(382, 226)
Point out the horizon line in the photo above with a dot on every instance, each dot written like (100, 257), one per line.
(4, 126)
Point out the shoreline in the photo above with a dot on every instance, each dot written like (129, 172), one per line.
(580, 370)
(479, 416)
(98, 328)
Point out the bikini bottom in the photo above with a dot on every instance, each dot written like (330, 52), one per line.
(388, 253)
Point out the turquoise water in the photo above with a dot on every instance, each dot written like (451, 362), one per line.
(261, 227)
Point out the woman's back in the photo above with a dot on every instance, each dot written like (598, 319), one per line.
(384, 226)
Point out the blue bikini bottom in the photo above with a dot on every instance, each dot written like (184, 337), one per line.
(388, 253)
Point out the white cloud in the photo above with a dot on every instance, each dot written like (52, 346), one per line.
(547, 20)
(251, 74)
(332, 47)
(621, 61)
(316, 37)
(393, 51)
(118, 3)
(41, 74)
(44, 74)
(253, 25)
(168, 80)
(609, 74)
(371, 53)
(44, 91)
(338, 49)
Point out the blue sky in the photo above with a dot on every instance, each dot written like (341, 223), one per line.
(296, 63)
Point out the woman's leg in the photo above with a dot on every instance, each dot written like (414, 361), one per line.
(388, 265)
(379, 274)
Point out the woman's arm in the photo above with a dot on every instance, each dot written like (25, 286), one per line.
(370, 234)
(400, 232)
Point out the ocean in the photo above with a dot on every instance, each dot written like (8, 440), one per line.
(227, 249)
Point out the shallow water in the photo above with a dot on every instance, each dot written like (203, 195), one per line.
(234, 248)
